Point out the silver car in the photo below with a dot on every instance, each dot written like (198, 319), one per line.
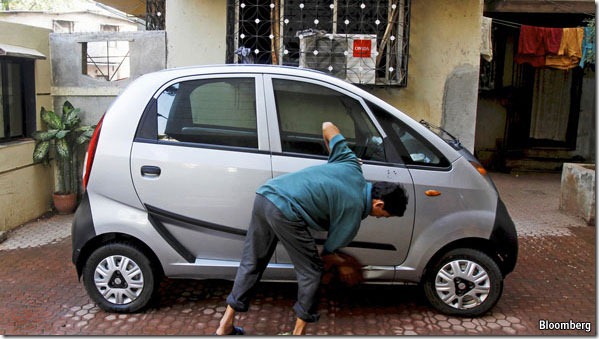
(173, 167)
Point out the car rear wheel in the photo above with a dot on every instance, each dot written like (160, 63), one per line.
(119, 277)
(463, 282)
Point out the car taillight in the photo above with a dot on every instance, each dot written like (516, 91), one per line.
(91, 152)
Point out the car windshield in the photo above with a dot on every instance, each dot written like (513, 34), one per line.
(443, 134)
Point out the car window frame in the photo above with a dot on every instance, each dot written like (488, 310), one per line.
(392, 157)
(402, 152)
(147, 130)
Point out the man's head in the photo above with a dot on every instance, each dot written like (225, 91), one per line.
(388, 199)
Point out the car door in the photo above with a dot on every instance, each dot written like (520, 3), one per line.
(199, 155)
(296, 109)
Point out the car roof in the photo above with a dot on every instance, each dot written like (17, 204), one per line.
(246, 68)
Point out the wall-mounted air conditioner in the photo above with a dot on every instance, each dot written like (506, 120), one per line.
(351, 57)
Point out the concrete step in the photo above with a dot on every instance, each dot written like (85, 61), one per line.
(536, 165)
(540, 159)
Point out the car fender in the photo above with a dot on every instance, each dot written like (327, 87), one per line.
(430, 240)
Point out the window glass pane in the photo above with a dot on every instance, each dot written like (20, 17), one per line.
(15, 99)
(303, 107)
(219, 112)
(413, 148)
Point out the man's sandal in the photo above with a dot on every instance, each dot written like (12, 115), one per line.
(236, 331)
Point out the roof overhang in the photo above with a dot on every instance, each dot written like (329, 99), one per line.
(536, 6)
(134, 7)
(20, 52)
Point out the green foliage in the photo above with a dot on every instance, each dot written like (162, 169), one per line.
(65, 136)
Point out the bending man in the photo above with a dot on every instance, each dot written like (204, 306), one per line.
(332, 197)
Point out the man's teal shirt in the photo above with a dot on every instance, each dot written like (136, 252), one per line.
(331, 197)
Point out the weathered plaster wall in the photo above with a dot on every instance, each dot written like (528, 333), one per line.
(459, 104)
(443, 66)
(197, 32)
(25, 188)
(93, 96)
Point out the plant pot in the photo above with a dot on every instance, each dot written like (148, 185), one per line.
(65, 203)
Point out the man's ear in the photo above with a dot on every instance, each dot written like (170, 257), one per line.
(378, 204)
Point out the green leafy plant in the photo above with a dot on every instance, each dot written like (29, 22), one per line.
(66, 136)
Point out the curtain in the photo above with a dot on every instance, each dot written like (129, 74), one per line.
(551, 104)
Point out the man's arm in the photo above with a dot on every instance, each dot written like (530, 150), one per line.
(329, 131)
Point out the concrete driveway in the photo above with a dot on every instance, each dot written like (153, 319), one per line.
(551, 292)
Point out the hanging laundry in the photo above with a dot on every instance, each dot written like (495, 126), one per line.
(588, 46)
(570, 50)
(486, 46)
(536, 42)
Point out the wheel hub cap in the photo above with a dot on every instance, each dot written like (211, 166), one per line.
(119, 279)
(462, 284)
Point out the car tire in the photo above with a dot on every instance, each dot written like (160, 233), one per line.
(120, 278)
(463, 282)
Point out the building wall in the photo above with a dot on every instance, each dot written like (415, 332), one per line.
(443, 65)
(25, 187)
(82, 21)
(93, 96)
(196, 32)
(586, 141)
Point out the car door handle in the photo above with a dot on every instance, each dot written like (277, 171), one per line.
(150, 171)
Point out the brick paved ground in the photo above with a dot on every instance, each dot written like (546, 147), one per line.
(555, 280)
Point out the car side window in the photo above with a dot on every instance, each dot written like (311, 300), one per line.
(302, 108)
(216, 111)
(412, 147)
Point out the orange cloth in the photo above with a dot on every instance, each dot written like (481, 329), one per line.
(570, 50)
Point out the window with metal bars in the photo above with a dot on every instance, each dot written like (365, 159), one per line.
(364, 42)
(108, 60)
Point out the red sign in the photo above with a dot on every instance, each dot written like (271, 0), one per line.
(362, 48)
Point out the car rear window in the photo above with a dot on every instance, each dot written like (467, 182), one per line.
(213, 111)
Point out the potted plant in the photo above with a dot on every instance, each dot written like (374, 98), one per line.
(65, 136)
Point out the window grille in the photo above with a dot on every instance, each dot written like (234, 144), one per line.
(155, 14)
(363, 42)
(108, 60)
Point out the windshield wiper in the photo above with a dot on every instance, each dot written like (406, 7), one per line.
(454, 142)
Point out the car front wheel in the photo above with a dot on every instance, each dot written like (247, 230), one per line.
(463, 282)
(120, 278)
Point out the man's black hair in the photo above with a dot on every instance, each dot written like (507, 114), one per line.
(393, 195)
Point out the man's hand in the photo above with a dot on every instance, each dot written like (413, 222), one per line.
(343, 268)
(329, 131)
